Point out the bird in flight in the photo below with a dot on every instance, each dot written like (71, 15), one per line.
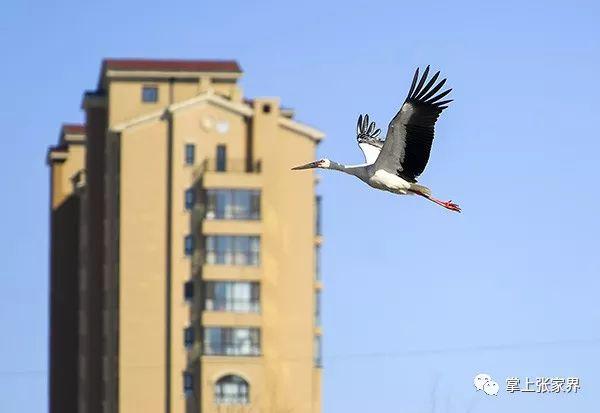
(395, 163)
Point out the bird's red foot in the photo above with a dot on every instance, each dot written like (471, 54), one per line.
(451, 206)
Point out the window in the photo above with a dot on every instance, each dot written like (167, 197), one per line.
(232, 250)
(221, 158)
(241, 297)
(266, 108)
(188, 336)
(317, 308)
(188, 290)
(149, 94)
(318, 203)
(233, 204)
(231, 341)
(318, 350)
(232, 390)
(190, 153)
(188, 383)
(189, 244)
(190, 198)
(318, 262)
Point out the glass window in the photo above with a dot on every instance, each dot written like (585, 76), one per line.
(221, 158)
(233, 204)
(189, 244)
(318, 262)
(317, 308)
(188, 336)
(240, 297)
(232, 250)
(190, 198)
(318, 350)
(190, 153)
(231, 341)
(232, 390)
(188, 290)
(188, 383)
(149, 94)
(318, 204)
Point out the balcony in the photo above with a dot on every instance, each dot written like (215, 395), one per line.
(229, 165)
(228, 341)
(230, 251)
(232, 296)
(233, 174)
(232, 204)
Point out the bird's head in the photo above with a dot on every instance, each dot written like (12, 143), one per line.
(321, 163)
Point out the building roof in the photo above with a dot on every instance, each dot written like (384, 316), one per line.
(240, 108)
(172, 65)
(59, 151)
(73, 128)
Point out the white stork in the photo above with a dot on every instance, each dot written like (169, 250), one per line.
(394, 164)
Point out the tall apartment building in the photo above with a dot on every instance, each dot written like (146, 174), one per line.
(184, 257)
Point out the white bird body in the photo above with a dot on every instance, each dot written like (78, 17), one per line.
(394, 164)
(389, 182)
(377, 178)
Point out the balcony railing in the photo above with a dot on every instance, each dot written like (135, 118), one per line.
(229, 165)
(232, 305)
(232, 349)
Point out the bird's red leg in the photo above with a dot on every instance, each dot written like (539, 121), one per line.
(446, 204)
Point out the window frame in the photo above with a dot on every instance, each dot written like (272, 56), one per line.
(225, 250)
(221, 158)
(189, 286)
(242, 395)
(318, 215)
(148, 88)
(189, 336)
(189, 244)
(220, 296)
(318, 263)
(228, 341)
(190, 198)
(242, 204)
(188, 383)
(318, 308)
(189, 153)
(318, 349)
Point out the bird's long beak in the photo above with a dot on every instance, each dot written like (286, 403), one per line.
(310, 165)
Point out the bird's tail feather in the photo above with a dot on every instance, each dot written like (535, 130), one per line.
(420, 189)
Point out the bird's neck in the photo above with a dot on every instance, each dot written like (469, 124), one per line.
(356, 170)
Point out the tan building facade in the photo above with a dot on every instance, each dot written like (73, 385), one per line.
(196, 247)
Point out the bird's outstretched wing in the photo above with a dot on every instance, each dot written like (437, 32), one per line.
(410, 133)
(367, 137)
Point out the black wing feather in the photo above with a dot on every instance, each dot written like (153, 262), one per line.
(428, 85)
(414, 82)
(410, 133)
(434, 90)
(438, 97)
(366, 131)
(421, 82)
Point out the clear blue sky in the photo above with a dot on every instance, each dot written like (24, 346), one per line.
(417, 299)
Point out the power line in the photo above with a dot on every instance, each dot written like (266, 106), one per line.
(394, 354)
(469, 349)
